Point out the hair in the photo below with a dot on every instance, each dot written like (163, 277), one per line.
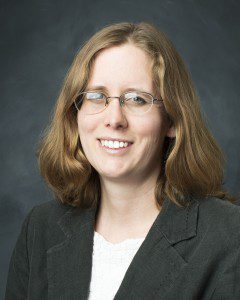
(192, 162)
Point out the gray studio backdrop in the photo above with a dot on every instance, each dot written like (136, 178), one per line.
(38, 42)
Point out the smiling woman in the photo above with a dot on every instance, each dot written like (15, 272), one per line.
(140, 211)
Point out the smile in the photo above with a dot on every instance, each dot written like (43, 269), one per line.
(115, 147)
(114, 144)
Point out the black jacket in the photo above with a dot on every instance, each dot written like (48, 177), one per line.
(188, 253)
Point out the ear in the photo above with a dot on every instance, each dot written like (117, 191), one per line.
(171, 131)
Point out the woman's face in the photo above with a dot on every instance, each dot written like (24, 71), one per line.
(119, 68)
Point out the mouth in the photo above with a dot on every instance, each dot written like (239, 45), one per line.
(119, 150)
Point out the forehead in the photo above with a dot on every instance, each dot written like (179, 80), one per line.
(121, 67)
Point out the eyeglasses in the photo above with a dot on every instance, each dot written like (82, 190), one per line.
(134, 102)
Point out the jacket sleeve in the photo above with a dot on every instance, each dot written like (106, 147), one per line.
(18, 273)
(228, 285)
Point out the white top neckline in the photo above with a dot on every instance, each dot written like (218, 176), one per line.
(126, 241)
(109, 265)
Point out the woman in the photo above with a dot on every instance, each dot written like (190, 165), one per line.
(141, 213)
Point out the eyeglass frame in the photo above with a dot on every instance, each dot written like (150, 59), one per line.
(120, 101)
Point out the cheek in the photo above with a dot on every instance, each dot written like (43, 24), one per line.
(86, 124)
(153, 134)
(153, 130)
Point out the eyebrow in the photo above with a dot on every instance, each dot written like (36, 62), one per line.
(102, 87)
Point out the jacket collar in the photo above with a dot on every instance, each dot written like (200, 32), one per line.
(69, 263)
(175, 223)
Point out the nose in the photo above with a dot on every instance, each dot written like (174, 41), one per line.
(114, 113)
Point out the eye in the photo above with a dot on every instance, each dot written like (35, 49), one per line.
(139, 100)
(94, 96)
(136, 98)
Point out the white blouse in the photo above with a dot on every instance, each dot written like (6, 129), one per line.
(109, 265)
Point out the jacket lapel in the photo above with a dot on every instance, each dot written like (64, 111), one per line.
(152, 271)
(69, 263)
(157, 264)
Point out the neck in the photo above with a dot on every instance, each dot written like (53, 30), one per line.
(126, 210)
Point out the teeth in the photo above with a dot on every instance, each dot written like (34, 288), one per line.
(114, 144)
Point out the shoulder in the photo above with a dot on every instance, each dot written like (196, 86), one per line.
(48, 211)
(219, 232)
(219, 210)
(42, 219)
(220, 218)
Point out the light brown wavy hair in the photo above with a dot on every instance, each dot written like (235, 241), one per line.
(192, 162)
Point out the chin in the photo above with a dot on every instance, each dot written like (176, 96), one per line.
(112, 175)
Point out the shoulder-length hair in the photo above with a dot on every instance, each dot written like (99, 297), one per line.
(192, 162)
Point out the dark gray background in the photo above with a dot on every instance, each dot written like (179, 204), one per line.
(38, 42)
